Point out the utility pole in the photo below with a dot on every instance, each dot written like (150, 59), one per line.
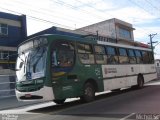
(151, 42)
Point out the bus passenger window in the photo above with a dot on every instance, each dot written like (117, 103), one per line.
(65, 58)
(132, 58)
(63, 55)
(138, 56)
(100, 55)
(145, 57)
(85, 53)
(123, 58)
(112, 57)
(87, 58)
(151, 58)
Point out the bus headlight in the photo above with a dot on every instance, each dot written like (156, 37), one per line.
(39, 81)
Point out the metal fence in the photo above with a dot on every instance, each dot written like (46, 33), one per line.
(7, 86)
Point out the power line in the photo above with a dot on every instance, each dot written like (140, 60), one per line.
(69, 19)
(89, 5)
(109, 14)
(157, 44)
(47, 21)
(50, 13)
(152, 5)
(75, 8)
(43, 20)
(140, 6)
(142, 9)
(36, 18)
(72, 7)
(67, 5)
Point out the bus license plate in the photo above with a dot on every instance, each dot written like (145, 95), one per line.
(27, 95)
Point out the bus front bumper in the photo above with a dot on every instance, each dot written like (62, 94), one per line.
(44, 94)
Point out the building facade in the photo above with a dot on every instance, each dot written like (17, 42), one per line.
(13, 31)
(112, 28)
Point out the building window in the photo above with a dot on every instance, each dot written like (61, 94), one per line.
(124, 33)
(4, 55)
(157, 64)
(3, 29)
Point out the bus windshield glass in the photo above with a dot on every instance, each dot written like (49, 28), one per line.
(31, 63)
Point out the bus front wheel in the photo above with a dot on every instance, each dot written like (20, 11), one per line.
(88, 92)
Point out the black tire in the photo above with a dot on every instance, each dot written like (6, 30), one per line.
(59, 101)
(88, 92)
(116, 90)
(140, 81)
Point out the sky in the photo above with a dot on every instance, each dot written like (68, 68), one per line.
(144, 15)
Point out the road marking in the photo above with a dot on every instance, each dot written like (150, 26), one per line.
(124, 118)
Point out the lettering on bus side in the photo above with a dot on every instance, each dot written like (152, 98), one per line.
(110, 70)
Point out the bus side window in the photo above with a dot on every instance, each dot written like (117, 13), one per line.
(132, 58)
(85, 53)
(100, 55)
(151, 58)
(112, 57)
(65, 58)
(63, 54)
(145, 57)
(138, 56)
(123, 58)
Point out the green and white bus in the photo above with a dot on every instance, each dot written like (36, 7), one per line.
(56, 67)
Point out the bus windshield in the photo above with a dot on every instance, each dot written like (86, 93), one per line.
(31, 64)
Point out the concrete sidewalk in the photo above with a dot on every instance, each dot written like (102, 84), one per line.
(12, 102)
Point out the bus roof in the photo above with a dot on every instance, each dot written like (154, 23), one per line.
(93, 39)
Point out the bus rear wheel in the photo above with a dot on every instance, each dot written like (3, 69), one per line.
(88, 92)
(140, 81)
(59, 101)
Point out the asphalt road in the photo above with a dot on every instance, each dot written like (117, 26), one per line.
(141, 104)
